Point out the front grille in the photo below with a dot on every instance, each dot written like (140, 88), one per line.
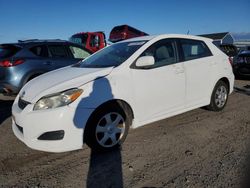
(19, 128)
(22, 103)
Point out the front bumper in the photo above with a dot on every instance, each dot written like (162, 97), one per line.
(29, 125)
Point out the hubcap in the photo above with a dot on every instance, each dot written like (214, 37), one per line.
(110, 129)
(221, 96)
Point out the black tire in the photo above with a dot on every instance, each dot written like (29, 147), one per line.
(98, 120)
(222, 88)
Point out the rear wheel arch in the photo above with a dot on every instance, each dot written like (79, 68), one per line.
(31, 76)
(223, 82)
(226, 81)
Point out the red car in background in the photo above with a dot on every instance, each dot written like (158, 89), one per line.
(123, 32)
(93, 41)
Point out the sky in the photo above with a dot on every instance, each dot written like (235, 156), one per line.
(59, 19)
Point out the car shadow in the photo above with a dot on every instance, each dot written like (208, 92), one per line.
(246, 78)
(105, 170)
(5, 109)
(244, 90)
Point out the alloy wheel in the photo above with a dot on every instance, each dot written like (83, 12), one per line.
(110, 129)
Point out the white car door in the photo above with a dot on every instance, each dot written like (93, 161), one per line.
(197, 63)
(159, 89)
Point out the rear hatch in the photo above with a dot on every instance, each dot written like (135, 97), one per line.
(7, 52)
(229, 49)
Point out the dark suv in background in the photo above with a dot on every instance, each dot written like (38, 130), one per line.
(25, 60)
(241, 65)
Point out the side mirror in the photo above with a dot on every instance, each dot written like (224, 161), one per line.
(145, 61)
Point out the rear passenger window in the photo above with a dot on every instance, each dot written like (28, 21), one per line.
(58, 51)
(193, 49)
(40, 51)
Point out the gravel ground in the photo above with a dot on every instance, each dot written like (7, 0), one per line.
(195, 149)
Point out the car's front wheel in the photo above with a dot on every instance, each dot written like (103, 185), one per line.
(107, 128)
(219, 96)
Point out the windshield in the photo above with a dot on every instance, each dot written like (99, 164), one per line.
(79, 39)
(113, 55)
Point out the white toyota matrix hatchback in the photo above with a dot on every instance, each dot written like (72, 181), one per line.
(126, 85)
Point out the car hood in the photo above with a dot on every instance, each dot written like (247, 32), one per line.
(60, 80)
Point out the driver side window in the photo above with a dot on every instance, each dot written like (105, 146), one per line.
(164, 53)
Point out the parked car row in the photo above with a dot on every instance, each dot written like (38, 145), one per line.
(125, 85)
(20, 62)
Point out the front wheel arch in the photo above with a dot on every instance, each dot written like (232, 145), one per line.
(121, 105)
(125, 106)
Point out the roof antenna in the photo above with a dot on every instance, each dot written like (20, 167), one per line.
(188, 32)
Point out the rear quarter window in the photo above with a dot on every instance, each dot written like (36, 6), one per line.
(7, 51)
(58, 51)
(194, 49)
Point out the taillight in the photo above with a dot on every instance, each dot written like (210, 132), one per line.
(230, 60)
(8, 63)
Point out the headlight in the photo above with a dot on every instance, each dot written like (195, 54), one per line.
(59, 99)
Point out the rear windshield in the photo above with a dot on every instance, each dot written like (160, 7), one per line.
(113, 55)
(230, 50)
(7, 51)
(79, 39)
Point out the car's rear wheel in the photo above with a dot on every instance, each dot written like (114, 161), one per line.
(107, 128)
(219, 96)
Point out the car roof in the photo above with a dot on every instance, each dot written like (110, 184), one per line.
(33, 42)
(37, 41)
(163, 36)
